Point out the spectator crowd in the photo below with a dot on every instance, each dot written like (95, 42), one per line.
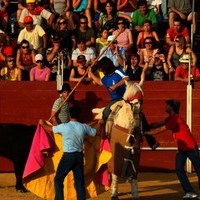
(73, 33)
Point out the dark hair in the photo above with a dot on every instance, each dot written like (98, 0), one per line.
(114, 5)
(24, 42)
(83, 17)
(142, 3)
(65, 87)
(147, 21)
(175, 104)
(178, 19)
(135, 55)
(80, 40)
(106, 65)
(74, 112)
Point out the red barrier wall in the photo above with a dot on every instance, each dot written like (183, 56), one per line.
(27, 102)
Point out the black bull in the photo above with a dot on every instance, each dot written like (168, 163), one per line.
(15, 143)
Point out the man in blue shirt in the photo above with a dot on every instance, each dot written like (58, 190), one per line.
(73, 134)
(113, 79)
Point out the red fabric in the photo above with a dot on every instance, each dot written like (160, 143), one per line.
(7, 51)
(181, 133)
(138, 96)
(37, 10)
(3, 14)
(103, 173)
(172, 33)
(183, 73)
(42, 141)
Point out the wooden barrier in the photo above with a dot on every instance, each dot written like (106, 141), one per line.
(27, 102)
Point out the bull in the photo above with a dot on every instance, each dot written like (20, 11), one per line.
(15, 144)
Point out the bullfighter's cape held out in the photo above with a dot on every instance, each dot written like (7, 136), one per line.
(40, 169)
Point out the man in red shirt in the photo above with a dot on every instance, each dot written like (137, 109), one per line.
(187, 146)
(176, 30)
(181, 72)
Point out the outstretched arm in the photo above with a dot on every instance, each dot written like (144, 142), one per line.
(157, 128)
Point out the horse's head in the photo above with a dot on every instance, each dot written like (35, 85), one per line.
(134, 96)
(133, 92)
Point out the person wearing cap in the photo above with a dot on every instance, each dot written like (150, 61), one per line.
(73, 134)
(40, 72)
(78, 72)
(10, 71)
(34, 34)
(62, 115)
(113, 52)
(181, 72)
(187, 146)
(38, 13)
(58, 54)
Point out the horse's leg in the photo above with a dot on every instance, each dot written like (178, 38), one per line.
(134, 189)
(114, 186)
(136, 161)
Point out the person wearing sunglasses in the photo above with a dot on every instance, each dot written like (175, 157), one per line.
(10, 71)
(147, 54)
(84, 32)
(83, 7)
(146, 32)
(125, 39)
(25, 59)
(176, 51)
(34, 34)
(64, 30)
(40, 72)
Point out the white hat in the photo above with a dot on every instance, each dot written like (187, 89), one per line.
(185, 58)
(111, 38)
(38, 57)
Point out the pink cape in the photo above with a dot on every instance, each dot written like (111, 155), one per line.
(42, 144)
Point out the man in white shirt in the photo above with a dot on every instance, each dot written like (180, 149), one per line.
(34, 34)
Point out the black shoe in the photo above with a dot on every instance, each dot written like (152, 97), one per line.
(157, 144)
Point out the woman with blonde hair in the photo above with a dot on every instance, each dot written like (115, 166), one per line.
(175, 52)
(11, 72)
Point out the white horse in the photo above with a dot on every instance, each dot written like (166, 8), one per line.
(123, 128)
